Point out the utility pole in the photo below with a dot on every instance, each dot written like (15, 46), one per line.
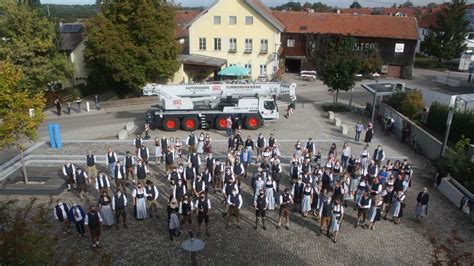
(446, 132)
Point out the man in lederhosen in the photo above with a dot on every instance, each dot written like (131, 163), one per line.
(285, 204)
(120, 178)
(81, 180)
(119, 202)
(260, 204)
(261, 144)
(185, 210)
(91, 166)
(130, 166)
(152, 198)
(141, 170)
(203, 206)
(69, 171)
(137, 142)
(234, 202)
(144, 154)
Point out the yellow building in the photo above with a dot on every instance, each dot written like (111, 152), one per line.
(242, 32)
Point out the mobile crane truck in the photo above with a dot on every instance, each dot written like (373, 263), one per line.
(208, 106)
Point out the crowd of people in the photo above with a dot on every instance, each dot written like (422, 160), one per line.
(322, 186)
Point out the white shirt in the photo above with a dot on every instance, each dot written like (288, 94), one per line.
(124, 201)
(65, 215)
(86, 221)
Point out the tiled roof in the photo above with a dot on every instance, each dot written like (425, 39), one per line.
(70, 35)
(182, 18)
(350, 25)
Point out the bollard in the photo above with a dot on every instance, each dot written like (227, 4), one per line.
(57, 136)
(87, 107)
(51, 136)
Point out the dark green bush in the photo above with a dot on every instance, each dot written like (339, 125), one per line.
(409, 103)
(462, 124)
(335, 108)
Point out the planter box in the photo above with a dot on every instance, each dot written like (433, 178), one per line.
(453, 190)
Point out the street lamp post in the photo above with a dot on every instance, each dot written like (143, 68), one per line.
(446, 133)
(193, 245)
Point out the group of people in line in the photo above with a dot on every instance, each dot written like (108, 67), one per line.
(319, 186)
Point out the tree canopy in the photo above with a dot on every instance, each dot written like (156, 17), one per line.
(16, 101)
(297, 6)
(336, 61)
(447, 39)
(29, 41)
(355, 4)
(131, 43)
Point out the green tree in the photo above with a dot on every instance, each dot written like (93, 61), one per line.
(409, 103)
(407, 4)
(336, 61)
(371, 62)
(15, 104)
(126, 48)
(321, 7)
(447, 39)
(25, 234)
(29, 41)
(355, 4)
(431, 5)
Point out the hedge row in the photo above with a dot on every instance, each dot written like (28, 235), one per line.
(462, 124)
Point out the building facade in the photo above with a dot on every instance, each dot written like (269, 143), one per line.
(72, 43)
(242, 32)
(396, 40)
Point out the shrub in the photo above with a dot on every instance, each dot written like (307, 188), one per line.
(409, 103)
(462, 124)
(458, 164)
(335, 108)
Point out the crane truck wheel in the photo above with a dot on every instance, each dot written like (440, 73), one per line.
(221, 123)
(170, 124)
(189, 123)
(252, 122)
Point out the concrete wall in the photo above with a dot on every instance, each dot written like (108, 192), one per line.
(453, 190)
(430, 96)
(430, 145)
(204, 27)
(77, 59)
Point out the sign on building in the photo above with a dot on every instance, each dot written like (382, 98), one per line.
(399, 47)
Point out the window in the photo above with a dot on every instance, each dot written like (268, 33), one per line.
(217, 44)
(263, 70)
(249, 20)
(263, 46)
(232, 45)
(202, 43)
(232, 20)
(248, 45)
(269, 105)
(182, 40)
(249, 66)
(217, 20)
(290, 43)
(232, 64)
(470, 36)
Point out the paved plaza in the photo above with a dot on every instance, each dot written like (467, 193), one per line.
(147, 242)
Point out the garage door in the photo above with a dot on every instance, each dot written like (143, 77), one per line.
(394, 71)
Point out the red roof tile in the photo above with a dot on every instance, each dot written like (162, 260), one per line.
(350, 25)
(182, 18)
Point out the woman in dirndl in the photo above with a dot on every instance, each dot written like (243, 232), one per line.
(336, 218)
(105, 207)
(345, 184)
(375, 210)
(361, 188)
(355, 179)
(139, 201)
(307, 199)
(298, 154)
(158, 152)
(270, 188)
(207, 144)
(316, 196)
(396, 209)
(178, 149)
(200, 144)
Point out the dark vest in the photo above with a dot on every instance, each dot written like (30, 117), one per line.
(260, 142)
(192, 140)
(69, 170)
(199, 185)
(194, 160)
(218, 171)
(298, 190)
(305, 168)
(119, 202)
(306, 179)
(143, 153)
(128, 161)
(102, 184)
(150, 191)
(371, 169)
(309, 146)
(261, 200)
(235, 199)
(94, 221)
(206, 177)
(164, 144)
(81, 178)
(210, 163)
(138, 142)
(179, 191)
(169, 158)
(228, 189)
(271, 142)
(111, 158)
(59, 213)
(121, 169)
(174, 176)
(364, 201)
(186, 208)
(227, 177)
(294, 172)
(286, 198)
(237, 169)
(141, 174)
(378, 155)
(189, 173)
(203, 206)
(327, 209)
(90, 160)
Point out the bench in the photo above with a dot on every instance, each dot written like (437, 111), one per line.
(331, 115)
(129, 126)
(344, 129)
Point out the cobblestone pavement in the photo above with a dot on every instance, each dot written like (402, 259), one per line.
(148, 241)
